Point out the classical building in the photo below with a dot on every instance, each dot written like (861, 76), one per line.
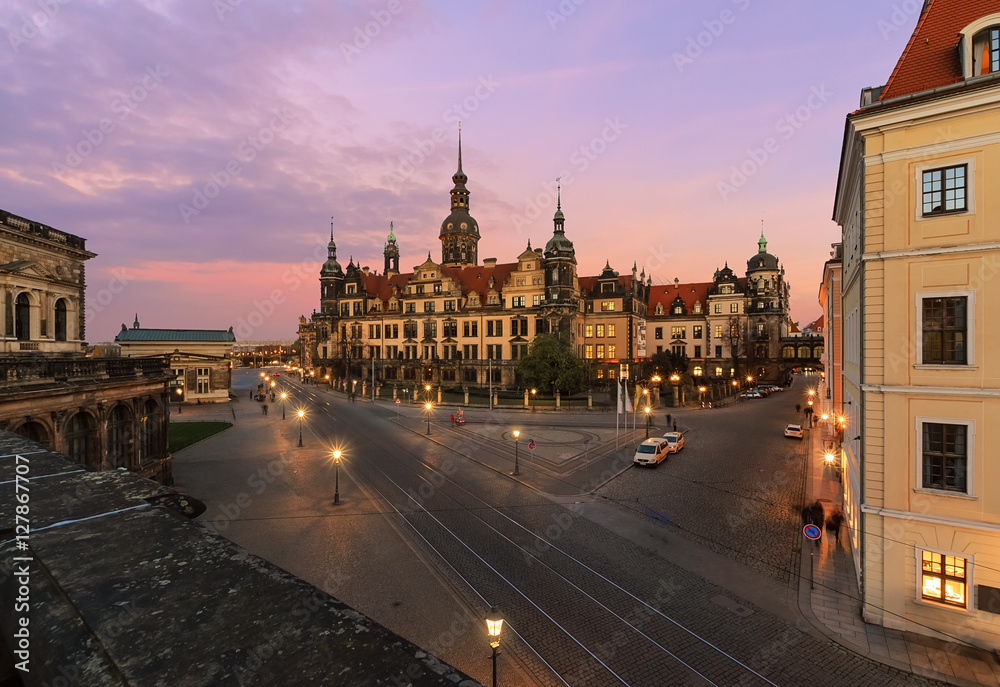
(830, 391)
(42, 294)
(103, 413)
(455, 322)
(201, 359)
(918, 199)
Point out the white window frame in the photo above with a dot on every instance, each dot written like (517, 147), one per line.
(970, 441)
(970, 329)
(970, 564)
(970, 188)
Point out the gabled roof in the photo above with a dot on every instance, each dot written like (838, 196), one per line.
(665, 294)
(199, 335)
(816, 326)
(589, 284)
(931, 58)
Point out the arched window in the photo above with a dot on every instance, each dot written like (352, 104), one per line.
(60, 320)
(80, 434)
(986, 51)
(35, 431)
(119, 437)
(22, 317)
(788, 352)
(149, 431)
(804, 352)
(818, 352)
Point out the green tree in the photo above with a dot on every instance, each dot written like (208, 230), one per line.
(667, 363)
(551, 364)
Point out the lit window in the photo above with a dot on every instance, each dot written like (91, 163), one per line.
(590, 332)
(734, 307)
(986, 51)
(943, 578)
(607, 305)
(718, 308)
(590, 351)
(944, 190)
(600, 331)
(600, 373)
(611, 350)
(600, 350)
(611, 330)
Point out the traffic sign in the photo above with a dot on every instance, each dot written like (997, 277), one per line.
(812, 532)
(398, 401)
(531, 444)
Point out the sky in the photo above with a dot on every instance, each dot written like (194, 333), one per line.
(203, 146)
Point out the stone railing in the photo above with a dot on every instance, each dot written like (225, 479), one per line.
(21, 370)
(44, 231)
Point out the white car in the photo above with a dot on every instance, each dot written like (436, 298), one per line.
(794, 431)
(651, 452)
(675, 441)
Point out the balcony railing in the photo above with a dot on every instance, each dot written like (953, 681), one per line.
(40, 230)
(21, 370)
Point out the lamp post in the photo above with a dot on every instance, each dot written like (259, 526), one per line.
(648, 416)
(533, 392)
(675, 379)
(301, 415)
(494, 626)
(180, 399)
(336, 479)
(427, 406)
(427, 392)
(701, 395)
(517, 434)
(284, 395)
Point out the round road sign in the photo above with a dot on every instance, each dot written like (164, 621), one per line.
(531, 444)
(812, 532)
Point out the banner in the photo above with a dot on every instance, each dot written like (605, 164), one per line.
(619, 387)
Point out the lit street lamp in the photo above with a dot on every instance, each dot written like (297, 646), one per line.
(427, 392)
(648, 416)
(301, 415)
(336, 483)
(494, 625)
(427, 406)
(284, 395)
(533, 392)
(517, 433)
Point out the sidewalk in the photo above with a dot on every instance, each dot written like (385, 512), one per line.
(833, 606)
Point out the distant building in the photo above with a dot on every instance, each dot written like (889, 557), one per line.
(830, 300)
(460, 323)
(918, 199)
(43, 281)
(104, 413)
(201, 359)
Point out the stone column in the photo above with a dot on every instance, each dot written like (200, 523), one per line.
(466, 390)
(526, 399)
(395, 390)
(557, 400)
(590, 399)
(439, 395)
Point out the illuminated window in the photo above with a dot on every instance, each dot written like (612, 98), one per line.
(734, 307)
(600, 373)
(718, 308)
(718, 372)
(718, 331)
(600, 331)
(600, 350)
(611, 330)
(611, 350)
(678, 332)
(943, 578)
(611, 374)
(590, 331)
(590, 351)
(607, 305)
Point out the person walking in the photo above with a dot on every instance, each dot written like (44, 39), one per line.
(251, 394)
(834, 522)
(817, 514)
(675, 425)
(264, 408)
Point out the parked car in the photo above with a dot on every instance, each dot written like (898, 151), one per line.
(764, 390)
(794, 431)
(774, 387)
(651, 452)
(675, 441)
(751, 394)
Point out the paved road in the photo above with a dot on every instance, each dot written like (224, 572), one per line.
(590, 604)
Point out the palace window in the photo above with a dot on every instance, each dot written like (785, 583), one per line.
(600, 373)
(718, 351)
(345, 309)
(450, 328)
(944, 325)
(607, 306)
(944, 190)
(420, 288)
(718, 331)
(589, 331)
(678, 350)
(718, 308)
(943, 578)
(411, 307)
(449, 306)
(493, 300)
(600, 350)
(600, 331)
(658, 333)
(203, 374)
(351, 288)
(697, 307)
(409, 330)
(734, 307)
(536, 300)
(611, 373)
(374, 331)
(611, 350)
(429, 306)
(469, 374)
(986, 51)
(517, 302)
(611, 330)
(697, 351)
(944, 456)
(678, 332)
(697, 332)
(718, 371)
(430, 330)
(589, 351)
(437, 288)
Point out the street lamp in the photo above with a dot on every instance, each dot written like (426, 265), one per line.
(180, 399)
(494, 625)
(427, 406)
(336, 483)
(301, 415)
(427, 392)
(284, 395)
(533, 392)
(648, 409)
(517, 434)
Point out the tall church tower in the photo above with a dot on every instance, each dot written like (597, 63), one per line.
(391, 253)
(459, 231)
(331, 278)
(560, 275)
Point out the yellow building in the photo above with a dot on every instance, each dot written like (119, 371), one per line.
(918, 200)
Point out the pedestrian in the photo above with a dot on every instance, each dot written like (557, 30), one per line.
(675, 425)
(453, 418)
(834, 522)
(251, 394)
(264, 408)
(798, 408)
(668, 418)
(817, 515)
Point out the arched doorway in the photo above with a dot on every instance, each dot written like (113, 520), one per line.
(35, 431)
(119, 437)
(60, 320)
(150, 426)
(22, 317)
(81, 435)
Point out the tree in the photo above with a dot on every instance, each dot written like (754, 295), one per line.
(667, 363)
(735, 336)
(552, 364)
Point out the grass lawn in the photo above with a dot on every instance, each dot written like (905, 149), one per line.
(183, 434)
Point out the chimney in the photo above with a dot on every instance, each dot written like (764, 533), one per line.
(677, 283)
(364, 270)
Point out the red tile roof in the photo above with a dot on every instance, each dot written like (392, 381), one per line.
(931, 58)
(794, 329)
(475, 278)
(817, 325)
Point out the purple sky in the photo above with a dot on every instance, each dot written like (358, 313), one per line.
(644, 108)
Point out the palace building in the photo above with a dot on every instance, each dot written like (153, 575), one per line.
(461, 322)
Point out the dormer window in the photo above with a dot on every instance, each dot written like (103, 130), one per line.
(697, 307)
(659, 308)
(986, 52)
(350, 288)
